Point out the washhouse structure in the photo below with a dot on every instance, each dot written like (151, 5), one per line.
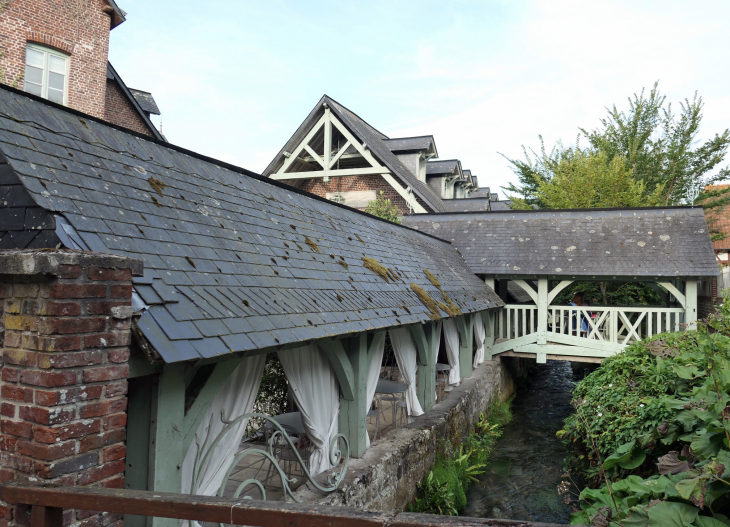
(229, 267)
(545, 251)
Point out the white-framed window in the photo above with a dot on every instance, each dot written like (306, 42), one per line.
(46, 73)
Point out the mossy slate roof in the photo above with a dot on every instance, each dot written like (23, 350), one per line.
(646, 242)
(228, 265)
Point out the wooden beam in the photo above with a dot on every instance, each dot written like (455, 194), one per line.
(600, 345)
(166, 437)
(465, 323)
(140, 366)
(340, 153)
(542, 309)
(527, 288)
(300, 147)
(195, 414)
(140, 395)
(560, 349)
(410, 198)
(592, 360)
(353, 412)
(327, 138)
(690, 308)
(341, 365)
(558, 289)
(314, 155)
(312, 174)
(506, 345)
(675, 292)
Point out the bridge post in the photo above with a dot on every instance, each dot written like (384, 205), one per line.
(690, 309)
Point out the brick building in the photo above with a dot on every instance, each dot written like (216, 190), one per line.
(336, 155)
(59, 51)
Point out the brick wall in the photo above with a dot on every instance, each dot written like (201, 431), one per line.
(120, 112)
(66, 318)
(345, 184)
(79, 28)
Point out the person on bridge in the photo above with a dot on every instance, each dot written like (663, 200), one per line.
(579, 300)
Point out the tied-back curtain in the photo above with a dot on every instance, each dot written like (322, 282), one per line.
(404, 348)
(480, 334)
(235, 398)
(451, 338)
(315, 390)
(376, 362)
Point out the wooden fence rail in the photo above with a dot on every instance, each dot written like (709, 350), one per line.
(48, 504)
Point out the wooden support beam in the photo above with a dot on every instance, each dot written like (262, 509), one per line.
(489, 326)
(410, 198)
(527, 288)
(542, 310)
(140, 395)
(301, 146)
(507, 345)
(166, 436)
(560, 349)
(600, 345)
(675, 292)
(558, 289)
(195, 414)
(340, 362)
(312, 174)
(690, 307)
(465, 323)
(353, 411)
(140, 366)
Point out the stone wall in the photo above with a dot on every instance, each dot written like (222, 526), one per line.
(66, 317)
(385, 478)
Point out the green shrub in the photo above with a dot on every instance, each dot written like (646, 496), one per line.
(659, 417)
(445, 473)
(434, 498)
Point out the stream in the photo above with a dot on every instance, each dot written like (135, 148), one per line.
(522, 477)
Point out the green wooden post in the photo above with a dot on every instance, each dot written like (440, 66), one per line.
(353, 412)
(489, 319)
(690, 299)
(542, 310)
(166, 435)
(465, 324)
(425, 336)
(138, 440)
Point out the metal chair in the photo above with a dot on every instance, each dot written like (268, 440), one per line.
(376, 415)
(283, 452)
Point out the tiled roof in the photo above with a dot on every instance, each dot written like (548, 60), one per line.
(501, 205)
(375, 142)
(146, 101)
(467, 204)
(656, 242)
(404, 144)
(484, 192)
(718, 219)
(447, 167)
(233, 261)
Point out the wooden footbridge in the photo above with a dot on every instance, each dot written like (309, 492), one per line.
(545, 252)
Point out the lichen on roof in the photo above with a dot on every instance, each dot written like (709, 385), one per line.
(312, 244)
(432, 278)
(376, 267)
(430, 303)
(157, 185)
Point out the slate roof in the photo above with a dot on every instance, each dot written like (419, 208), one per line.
(407, 144)
(484, 192)
(442, 167)
(501, 205)
(233, 261)
(112, 74)
(467, 204)
(651, 242)
(146, 101)
(374, 140)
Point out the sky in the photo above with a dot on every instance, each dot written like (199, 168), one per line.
(235, 78)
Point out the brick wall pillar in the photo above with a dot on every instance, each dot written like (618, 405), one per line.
(66, 318)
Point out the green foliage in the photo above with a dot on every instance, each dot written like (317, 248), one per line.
(666, 401)
(444, 489)
(616, 294)
(645, 151)
(383, 208)
(272, 396)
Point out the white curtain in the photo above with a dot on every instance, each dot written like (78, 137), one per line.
(236, 397)
(480, 334)
(376, 363)
(406, 353)
(451, 338)
(315, 390)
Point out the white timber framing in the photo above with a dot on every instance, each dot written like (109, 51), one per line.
(329, 161)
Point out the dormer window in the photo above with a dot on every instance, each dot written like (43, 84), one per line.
(46, 73)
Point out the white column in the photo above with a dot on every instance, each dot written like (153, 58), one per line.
(690, 299)
(542, 310)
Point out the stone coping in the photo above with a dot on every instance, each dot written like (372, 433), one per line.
(49, 261)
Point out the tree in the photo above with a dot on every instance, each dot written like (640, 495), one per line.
(583, 179)
(658, 147)
(383, 208)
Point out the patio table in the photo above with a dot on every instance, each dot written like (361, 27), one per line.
(442, 370)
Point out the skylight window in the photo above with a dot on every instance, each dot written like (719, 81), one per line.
(46, 73)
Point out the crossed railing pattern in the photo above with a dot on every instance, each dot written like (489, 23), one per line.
(618, 325)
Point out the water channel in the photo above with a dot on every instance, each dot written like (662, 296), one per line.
(522, 478)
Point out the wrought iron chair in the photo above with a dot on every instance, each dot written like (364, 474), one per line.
(283, 452)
